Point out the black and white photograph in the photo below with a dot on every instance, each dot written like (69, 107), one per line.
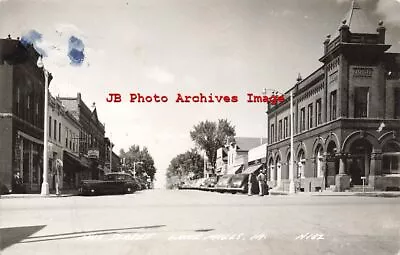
(199, 127)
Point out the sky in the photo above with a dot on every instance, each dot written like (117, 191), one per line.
(166, 47)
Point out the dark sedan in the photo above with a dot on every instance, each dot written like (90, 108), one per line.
(240, 183)
(223, 183)
(113, 183)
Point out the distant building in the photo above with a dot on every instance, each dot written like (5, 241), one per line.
(116, 162)
(21, 115)
(238, 153)
(111, 158)
(221, 163)
(346, 115)
(91, 136)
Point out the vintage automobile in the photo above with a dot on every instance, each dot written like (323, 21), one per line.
(223, 183)
(209, 183)
(113, 183)
(240, 183)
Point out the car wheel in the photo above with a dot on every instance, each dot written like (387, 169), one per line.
(129, 190)
(92, 191)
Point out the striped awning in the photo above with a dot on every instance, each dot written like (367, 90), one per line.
(252, 169)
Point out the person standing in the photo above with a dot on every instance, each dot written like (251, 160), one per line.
(58, 172)
(261, 182)
(17, 184)
(249, 185)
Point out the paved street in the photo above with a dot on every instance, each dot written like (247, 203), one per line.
(196, 222)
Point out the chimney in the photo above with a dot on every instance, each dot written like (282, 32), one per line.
(381, 31)
(326, 43)
(299, 78)
(344, 31)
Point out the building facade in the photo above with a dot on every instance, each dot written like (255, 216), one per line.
(92, 149)
(111, 159)
(63, 138)
(238, 153)
(116, 163)
(21, 115)
(91, 135)
(346, 115)
(221, 163)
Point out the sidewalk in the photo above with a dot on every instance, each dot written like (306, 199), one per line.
(346, 193)
(66, 193)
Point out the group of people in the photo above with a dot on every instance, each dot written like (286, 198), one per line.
(262, 184)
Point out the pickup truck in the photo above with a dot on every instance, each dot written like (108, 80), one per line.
(113, 183)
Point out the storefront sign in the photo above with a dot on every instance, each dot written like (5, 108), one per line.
(93, 154)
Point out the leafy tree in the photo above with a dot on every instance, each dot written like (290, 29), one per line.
(190, 163)
(135, 154)
(210, 136)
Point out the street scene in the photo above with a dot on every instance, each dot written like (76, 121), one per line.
(196, 222)
(200, 127)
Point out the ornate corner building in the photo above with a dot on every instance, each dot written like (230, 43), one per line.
(346, 115)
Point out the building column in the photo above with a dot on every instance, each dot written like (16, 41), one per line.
(375, 169)
(342, 181)
(324, 170)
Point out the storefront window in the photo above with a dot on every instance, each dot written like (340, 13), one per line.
(391, 158)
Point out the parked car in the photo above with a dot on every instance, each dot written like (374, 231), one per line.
(240, 183)
(198, 183)
(209, 183)
(223, 183)
(137, 184)
(113, 183)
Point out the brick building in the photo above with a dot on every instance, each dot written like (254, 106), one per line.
(21, 115)
(92, 149)
(346, 115)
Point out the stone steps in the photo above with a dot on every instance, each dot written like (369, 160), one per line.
(359, 188)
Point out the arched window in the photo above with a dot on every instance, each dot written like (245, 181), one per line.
(278, 169)
(318, 162)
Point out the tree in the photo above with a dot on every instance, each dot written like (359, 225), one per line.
(210, 136)
(135, 154)
(184, 165)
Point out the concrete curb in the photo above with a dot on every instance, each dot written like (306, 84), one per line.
(339, 194)
(34, 196)
(277, 193)
(374, 194)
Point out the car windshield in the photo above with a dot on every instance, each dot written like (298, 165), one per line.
(109, 177)
(224, 179)
(237, 179)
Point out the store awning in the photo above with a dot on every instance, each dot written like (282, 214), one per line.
(252, 169)
(71, 161)
(234, 170)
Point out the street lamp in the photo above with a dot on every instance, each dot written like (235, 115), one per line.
(111, 154)
(291, 166)
(204, 165)
(134, 167)
(45, 183)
